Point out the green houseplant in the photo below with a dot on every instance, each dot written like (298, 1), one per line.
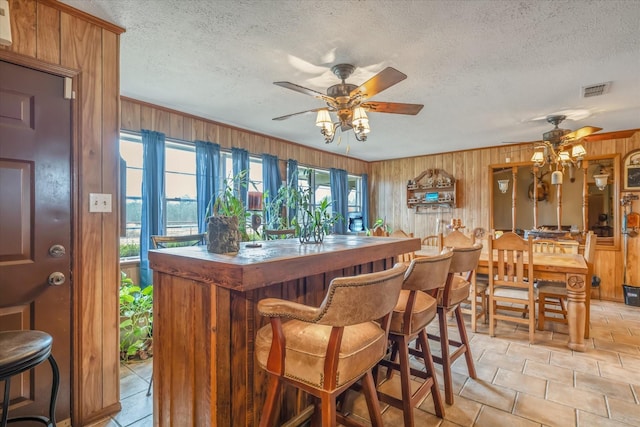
(136, 319)
(227, 223)
(314, 222)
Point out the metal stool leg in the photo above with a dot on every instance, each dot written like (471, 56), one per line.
(5, 402)
(150, 385)
(55, 385)
(51, 421)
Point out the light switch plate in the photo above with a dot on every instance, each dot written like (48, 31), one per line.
(99, 202)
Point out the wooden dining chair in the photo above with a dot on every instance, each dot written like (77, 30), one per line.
(287, 233)
(552, 295)
(511, 283)
(159, 242)
(433, 240)
(400, 234)
(325, 350)
(478, 300)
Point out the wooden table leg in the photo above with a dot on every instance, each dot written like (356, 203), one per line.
(576, 310)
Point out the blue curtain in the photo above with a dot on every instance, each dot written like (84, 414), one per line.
(207, 170)
(240, 160)
(292, 181)
(152, 221)
(365, 201)
(339, 196)
(271, 180)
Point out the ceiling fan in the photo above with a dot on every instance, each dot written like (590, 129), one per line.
(350, 102)
(558, 137)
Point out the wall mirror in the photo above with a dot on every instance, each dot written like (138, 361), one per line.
(525, 198)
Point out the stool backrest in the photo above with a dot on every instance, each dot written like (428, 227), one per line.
(428, 273)
(363, 298)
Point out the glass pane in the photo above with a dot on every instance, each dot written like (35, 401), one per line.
(182, 217)
(180, 185)
(134, 182)
(131, 152)
(181, 159)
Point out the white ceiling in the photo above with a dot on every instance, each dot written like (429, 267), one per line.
(484, 70)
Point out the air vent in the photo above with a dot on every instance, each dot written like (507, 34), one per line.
(595, 90)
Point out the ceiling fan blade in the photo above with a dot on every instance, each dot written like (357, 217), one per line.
(580, 133)
(392, 107)
(302, 89)
(315, 110)
(376, 84)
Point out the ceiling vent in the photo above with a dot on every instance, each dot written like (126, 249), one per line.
(595, 90)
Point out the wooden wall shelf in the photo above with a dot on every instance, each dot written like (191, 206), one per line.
(433, 188)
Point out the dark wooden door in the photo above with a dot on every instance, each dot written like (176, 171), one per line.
(35, 216)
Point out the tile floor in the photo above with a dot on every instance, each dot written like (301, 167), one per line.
(544, 384)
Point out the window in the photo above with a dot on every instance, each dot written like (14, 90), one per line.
(319, 181)
(180, 190)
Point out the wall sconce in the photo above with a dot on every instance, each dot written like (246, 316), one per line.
(601, 181)
(503, 185)
(556, 178)
(5, 24)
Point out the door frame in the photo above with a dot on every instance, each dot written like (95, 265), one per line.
(74, 75)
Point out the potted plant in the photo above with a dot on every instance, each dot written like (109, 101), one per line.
(227, 223)
(136, 319)
(314, 222)
(380, 224)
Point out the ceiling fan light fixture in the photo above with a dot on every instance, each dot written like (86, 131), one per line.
(578, 151)
(564, 157)
(359, 117)
(323, 118)
(538, 158)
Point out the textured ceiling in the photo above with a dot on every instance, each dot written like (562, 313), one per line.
(486, 71)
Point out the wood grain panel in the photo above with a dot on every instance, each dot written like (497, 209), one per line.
(48, 34)
(81, 49)
(23, 27)
(110, 239)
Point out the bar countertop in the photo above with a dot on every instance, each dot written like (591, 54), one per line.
(276, 260)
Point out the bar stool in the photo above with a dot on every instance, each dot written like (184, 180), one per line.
(21, 351)
(456, 290)
(414, 311)
(325, 350)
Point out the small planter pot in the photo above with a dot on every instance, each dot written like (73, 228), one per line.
(223, 234)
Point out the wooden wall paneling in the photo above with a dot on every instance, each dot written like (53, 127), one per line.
(110, 115)
(23, 27)
(130, 116)
(176, 126)
(187, 129)
(241, 316)
(80, 42)
(48, 34)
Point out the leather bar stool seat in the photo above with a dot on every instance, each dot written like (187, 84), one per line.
(21, 351)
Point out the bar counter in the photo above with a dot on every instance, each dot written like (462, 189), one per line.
(205, 320)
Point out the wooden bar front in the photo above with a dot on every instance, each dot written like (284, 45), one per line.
(205, 320)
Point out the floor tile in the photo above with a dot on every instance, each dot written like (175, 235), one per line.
(616, 389)
(544, 411)
(492, 417)
(587, 400)
(549, 372)
(624, 411)
(587, 419)
(520, 382)
(489, 394)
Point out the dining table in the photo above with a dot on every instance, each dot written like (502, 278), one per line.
(571, 269)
